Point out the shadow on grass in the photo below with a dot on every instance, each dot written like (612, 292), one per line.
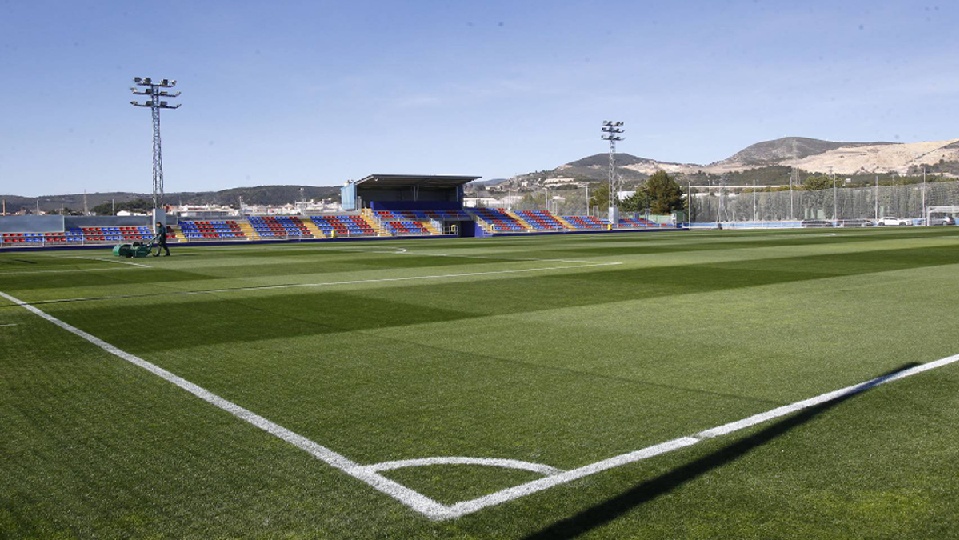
(613, 508)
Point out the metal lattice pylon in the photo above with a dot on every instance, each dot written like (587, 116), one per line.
(156, 91)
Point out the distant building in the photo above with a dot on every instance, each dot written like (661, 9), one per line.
(485, 202)
(204, 211)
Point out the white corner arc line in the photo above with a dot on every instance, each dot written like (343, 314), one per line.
(437, 511)
(486, 462)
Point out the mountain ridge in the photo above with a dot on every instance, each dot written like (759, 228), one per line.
(770, 160)
(815, 156)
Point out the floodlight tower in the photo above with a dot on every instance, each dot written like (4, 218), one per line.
(611, 131)
(156, 91)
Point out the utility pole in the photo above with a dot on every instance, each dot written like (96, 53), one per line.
(155, 90)
(792, 214)
(611, 132)
(587, 200)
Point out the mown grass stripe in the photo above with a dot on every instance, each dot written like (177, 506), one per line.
(399, 492)
(506, 495)
(322, 284)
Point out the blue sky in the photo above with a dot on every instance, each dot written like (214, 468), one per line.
(319, 92)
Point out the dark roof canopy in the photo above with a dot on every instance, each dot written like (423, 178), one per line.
(394, 181)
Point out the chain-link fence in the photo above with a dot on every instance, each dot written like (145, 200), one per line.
(907, 201)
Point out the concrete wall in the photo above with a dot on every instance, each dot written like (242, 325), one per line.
(32, 224)
(58, 223)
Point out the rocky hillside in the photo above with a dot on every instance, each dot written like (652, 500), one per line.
(902, 158)
(769, 162)
(789, 148)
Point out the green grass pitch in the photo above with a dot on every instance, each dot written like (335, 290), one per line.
(557, 352)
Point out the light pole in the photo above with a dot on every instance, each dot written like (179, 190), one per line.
(611, 132)
(587, 200)
(835, 201)
(792, 214)
(877, 197)
(155, 90)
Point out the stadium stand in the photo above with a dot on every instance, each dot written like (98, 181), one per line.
(495, 220)
(350, 225)
(589, 223)
(78, 235)
(541, 220)
(113, 234)
(638, 223)
(211, 230)
(279, 227)
(404, 223)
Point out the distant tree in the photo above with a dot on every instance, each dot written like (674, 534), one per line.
(599, 195)
(104, 209)
(817, 182)
(635, 202)
(139, 205)
(663, 193)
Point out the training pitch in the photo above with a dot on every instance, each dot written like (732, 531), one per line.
(788, 384)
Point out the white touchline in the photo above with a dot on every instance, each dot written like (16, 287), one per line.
(116, 261)
(434, 510)
(332, 283)
(69, 270)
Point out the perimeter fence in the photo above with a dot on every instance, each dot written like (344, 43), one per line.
(713, 204)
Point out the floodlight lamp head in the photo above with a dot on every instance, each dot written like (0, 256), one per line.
(138, 80)
(147, 80)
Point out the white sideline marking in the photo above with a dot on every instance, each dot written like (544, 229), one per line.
(408, 278)
(328, 283)
(504, 258)
(65, 271)
(113, 261)
(434, 510)
(7, 325)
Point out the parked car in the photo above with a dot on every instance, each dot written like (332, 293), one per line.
(855, 222)
(893, 221)
(947, 220)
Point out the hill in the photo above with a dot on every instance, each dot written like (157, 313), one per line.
(788, 148)
(770, 162)
(257, 195)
